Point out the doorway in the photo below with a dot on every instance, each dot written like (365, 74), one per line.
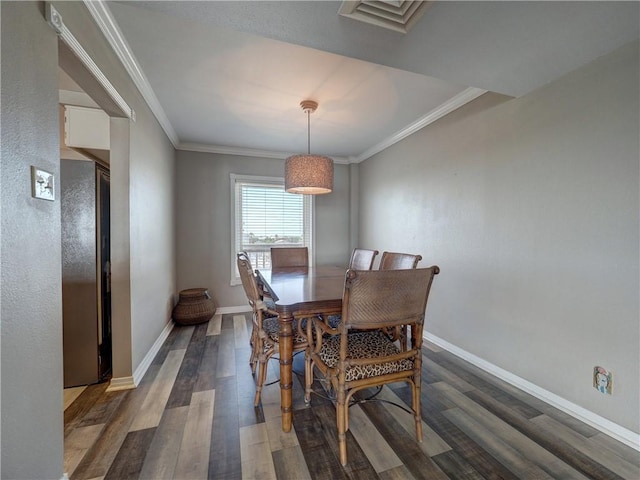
(105, 354)
(86, 237)
(79, 65)
(86, 303)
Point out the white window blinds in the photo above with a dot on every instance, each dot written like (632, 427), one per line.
(266, 216)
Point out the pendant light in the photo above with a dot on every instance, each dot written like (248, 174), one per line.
(308, 174)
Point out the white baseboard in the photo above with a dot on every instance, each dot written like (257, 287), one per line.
(240, 309)
(121, 383)
(612, 429)
(126, 383)
(151, 354)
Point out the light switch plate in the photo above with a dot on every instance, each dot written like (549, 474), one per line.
(42, 184)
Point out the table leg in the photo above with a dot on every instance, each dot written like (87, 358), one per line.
(286, 367)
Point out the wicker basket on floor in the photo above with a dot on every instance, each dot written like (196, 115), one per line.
(194, 306)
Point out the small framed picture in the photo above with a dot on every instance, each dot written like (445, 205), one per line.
(42, 184)
(602, 380)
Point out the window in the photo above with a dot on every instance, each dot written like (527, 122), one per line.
(264, 215)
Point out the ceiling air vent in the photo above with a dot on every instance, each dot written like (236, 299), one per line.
(399, 15)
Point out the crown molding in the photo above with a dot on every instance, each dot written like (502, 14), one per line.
(107, 24)
(449, 106)
(56, 22)
(224, 150)
(245, 152)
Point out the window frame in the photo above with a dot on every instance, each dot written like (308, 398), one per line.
(266, 180)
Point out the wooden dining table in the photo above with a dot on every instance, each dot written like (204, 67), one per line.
(299, 292)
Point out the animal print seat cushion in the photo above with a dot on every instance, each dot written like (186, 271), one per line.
(272, 329)
(369, 344)
(334, 320)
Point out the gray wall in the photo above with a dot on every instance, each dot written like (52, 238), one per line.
(142, 225)
(203, 220)
(530, 208)
(31, 306)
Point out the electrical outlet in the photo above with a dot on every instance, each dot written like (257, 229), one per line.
(603, 380)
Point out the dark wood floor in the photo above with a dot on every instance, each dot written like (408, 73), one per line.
(192, 417)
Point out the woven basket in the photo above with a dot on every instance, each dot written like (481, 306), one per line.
(194, 306)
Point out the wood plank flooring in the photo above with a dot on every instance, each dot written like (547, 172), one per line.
(192, 417)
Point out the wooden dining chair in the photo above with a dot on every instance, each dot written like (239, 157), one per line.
(264, 292)
(264, 295)
(398, 261)
(289, 257)
(362, 259)
(358, 354)
(266, 330)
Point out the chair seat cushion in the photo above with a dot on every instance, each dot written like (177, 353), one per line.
(334, 320)
(369, 344)
(272, 329)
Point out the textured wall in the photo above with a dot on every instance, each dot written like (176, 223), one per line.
(152, 240)
(31, 305)
(530, 208)
(142, 233)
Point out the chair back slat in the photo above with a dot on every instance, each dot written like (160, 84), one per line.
(289, 257)
(249, 282)
(398, 261)
(384, 298)
(362, 259)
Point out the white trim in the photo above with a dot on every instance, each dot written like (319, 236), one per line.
(127, 383)
(240, 309)
(608, 427)
(151, 354)
(121, 383)
(55, 21)
(233, 280)
(109, 28)
(447, 107)
(246, 152)
(65, 476)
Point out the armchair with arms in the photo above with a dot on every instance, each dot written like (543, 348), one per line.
(357, 354)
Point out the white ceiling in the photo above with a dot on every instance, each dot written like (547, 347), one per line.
(229, 76)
